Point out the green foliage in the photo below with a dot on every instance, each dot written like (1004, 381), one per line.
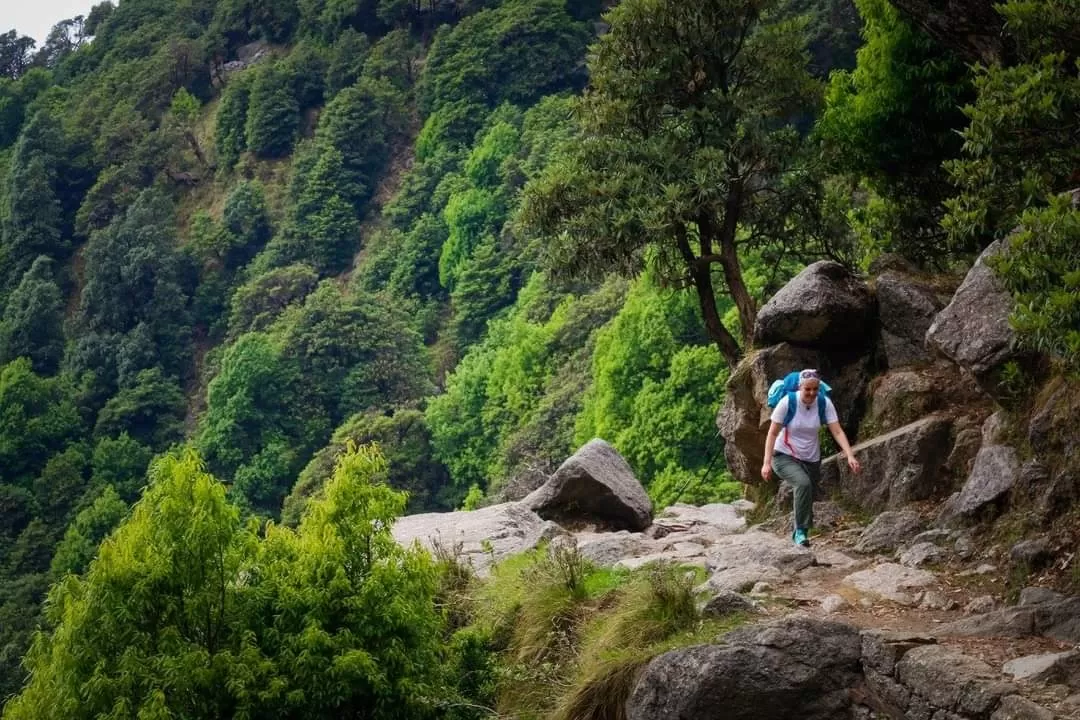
(259, 302)
(1019, 148)
(890, 122)
(654, 393)
(150, 410)
(685, 99)
(508, 404)
(134, 296)
(121, 463)
(38, 417)
(352, 621)
(246, 218)
(230, 136)
(1040, 266)
(32, 324)
(91, 525)
(516, 52)
(347, 58)
(273, 114)
(403, 438)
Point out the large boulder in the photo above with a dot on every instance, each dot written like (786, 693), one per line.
(900, 467)
(889, 531)
(594, 485)
(995, 472)
(973, 330)
(797, 667)
(743, 419)
(902, 396)
(480, 536)
(906, 309)
(954, 682)
(824, 306)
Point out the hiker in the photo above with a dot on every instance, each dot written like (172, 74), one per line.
(793, 448)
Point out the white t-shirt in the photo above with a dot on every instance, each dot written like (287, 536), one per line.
(802, 431)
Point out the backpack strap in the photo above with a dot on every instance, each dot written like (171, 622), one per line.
(822, 404)
(792, 406)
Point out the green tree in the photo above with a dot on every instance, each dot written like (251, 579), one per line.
(152, 614)
(688, 150)
(259, 302)
(230, 135)
(91, 525)
(120, 462)
(150, 410)
(32, 324)
(273, 115)
(245, 216)
(346, 61)
(403, 438)
(38, 417)
(890, 123)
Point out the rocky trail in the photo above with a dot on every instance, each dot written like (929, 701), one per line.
(890, 584)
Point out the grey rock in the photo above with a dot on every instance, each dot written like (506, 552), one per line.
(834, 603)
(1032, 554)
(742, 579)
(906, 309)
(973, 330)
(1059, 620)
(937, 536)
(724, 518)
(1016, 707)
(797, 667)
(607, 549)
(933, 600)
(902, 396)
(1038, 595)
(980, 605)
(888, 531)
(952, 681)
(594, 484)
(920, 554)
(482, 536)
(824, 306)
(897, 468)
(892, 582)
(881, 650)
(995, 472)
(1063, 667)
(727, 603)
(1054, 429)
(758, 548)
(995, 428)
(762, 588)
(967, 439)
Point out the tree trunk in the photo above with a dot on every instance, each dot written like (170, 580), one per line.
(729, 258)
(701, 276)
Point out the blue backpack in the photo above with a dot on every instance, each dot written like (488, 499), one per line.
(789, 387)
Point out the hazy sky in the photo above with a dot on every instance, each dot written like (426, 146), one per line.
(36, 17)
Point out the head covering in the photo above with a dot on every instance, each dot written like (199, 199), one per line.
(807, 375)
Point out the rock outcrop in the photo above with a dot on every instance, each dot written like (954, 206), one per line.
(973, 330)
(480, 536)
(594, 485)
(824, 307)
(906, 309)
(900, 467)
(995, 472)
(797, 667)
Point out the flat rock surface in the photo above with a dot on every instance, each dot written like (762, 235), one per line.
(892, 582)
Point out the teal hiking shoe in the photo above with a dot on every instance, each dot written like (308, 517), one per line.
(800, 537)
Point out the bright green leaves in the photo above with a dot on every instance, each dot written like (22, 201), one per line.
(1041, 268)
(186, 612)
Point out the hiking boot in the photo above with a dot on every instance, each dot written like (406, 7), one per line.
(800, 537)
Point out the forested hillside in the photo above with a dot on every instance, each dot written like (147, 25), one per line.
(241, 238)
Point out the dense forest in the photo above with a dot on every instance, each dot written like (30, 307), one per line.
(273, 273)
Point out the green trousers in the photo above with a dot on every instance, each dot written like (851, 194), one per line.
(802, 477)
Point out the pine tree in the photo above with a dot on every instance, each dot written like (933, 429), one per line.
(32, 325)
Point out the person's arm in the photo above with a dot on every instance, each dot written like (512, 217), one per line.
(842, 441)
(770, 445)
